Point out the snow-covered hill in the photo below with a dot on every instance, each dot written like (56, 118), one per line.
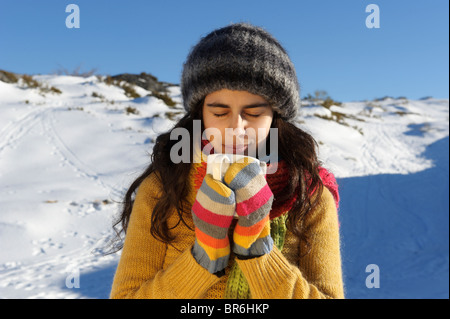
(68, 153)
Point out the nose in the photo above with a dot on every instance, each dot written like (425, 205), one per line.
(239, 125)
(237, 122)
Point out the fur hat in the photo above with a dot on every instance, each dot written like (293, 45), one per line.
(241, 57)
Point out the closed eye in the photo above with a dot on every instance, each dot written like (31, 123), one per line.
(223, 114)
(220, 115)
(253, 115)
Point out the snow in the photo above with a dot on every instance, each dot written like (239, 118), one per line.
(66, 160)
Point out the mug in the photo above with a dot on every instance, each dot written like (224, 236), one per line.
(217, 164)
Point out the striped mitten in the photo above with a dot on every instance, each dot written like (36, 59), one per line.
(253, 204)
(212, 214)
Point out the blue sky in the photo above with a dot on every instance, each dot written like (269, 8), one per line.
(327, 40)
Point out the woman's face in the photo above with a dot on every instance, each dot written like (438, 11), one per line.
(242, 118)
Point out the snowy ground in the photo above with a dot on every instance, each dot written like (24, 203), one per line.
(65, 160)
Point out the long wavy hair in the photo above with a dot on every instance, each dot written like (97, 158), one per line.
(295, 146)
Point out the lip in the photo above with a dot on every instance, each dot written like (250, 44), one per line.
(235, 148)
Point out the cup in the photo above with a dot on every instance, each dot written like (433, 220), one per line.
(217, 164)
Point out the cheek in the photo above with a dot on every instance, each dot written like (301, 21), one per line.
(213, 131)
(264, 129)
(210, 121)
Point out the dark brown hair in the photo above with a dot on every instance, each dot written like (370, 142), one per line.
(295, 146)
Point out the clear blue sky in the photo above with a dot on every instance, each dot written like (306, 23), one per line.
(327, 40)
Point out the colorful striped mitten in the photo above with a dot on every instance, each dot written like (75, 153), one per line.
(253, 204)
(212, 213)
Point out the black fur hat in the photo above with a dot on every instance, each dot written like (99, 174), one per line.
(241, 57)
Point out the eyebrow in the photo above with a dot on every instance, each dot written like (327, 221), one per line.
(249, 106)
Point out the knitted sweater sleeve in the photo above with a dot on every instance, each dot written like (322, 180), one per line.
(140, 272)
(317, 275)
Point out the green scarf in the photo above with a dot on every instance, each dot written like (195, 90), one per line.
(237, 286)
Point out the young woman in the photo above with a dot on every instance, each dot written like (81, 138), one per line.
(250, 235)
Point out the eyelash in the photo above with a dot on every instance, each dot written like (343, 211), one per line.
(252, 115)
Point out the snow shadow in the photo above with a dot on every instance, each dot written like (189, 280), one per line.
(401, 224)
(95, 284)
(418, 129)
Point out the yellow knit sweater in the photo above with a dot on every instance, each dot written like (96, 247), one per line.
(148, 268)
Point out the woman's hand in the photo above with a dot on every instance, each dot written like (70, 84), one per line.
(253, 204)
(213, 212)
